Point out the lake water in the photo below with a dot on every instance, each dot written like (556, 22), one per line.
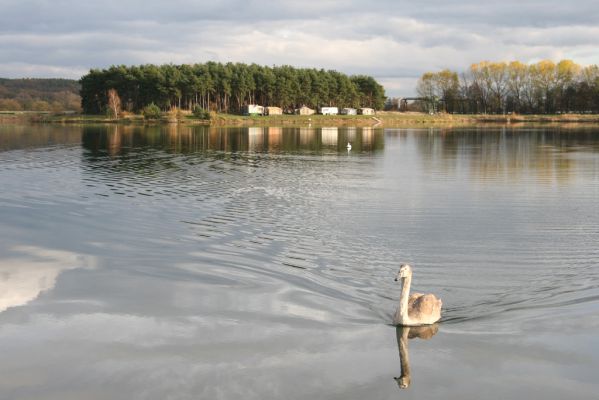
(214, 263)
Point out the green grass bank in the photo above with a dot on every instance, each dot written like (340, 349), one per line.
(381, 119)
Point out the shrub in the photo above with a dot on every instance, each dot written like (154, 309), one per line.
(200, 113)
(151, 111)
(40, 105)
(175, 114)
(10, 105)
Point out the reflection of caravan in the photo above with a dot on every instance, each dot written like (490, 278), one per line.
(255, 138)
(253, 109)
(329, 136)
(275, 137)
(306, 135)
(329, 110)
(351, 133)
(367, 136)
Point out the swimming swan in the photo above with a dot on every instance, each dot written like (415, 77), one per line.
(348, 146)
(416, 309)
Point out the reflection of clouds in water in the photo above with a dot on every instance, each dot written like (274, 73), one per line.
(34, 270)
(206, 357)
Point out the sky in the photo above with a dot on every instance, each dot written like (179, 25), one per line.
(394, 41)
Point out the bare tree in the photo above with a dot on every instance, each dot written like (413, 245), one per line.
(114, 103)
(517, 76)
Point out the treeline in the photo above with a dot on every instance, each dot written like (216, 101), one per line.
(500, 87)
(226, 87)
(39, 95)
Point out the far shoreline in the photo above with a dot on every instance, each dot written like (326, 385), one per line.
(382, 119)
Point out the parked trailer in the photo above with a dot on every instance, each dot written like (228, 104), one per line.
(366, 111)
(273, 110)
(329, 110)
(304, 111)
(253, 109)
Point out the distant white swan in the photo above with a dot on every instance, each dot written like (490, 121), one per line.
(416, 309)
(348, 145)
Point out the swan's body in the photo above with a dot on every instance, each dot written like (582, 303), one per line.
(417, 308)
(348, 145)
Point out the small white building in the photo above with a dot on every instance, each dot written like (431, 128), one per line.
(274, 111)
(253, 109)
(329, 110)
(303, 110)
(366, 111)
(349, 111)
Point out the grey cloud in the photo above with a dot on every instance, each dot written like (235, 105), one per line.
(392, 40)
(505, 13)
(63, 15)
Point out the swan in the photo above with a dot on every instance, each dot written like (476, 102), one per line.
(348, 146)
(416, 309)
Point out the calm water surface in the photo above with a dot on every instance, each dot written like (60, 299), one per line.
(196, 263)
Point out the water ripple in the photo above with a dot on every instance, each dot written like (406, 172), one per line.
(495, 225)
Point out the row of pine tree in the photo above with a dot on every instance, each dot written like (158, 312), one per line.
(226, 87)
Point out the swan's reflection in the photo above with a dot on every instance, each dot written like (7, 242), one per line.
(404, 333)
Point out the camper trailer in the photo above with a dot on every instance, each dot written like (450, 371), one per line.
(349, 111)
(366, 111)
(304, 111)
(329, 110)
(273, 110)
(253, 109)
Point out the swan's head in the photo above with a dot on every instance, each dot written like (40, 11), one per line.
(404, 271)
(403, 381)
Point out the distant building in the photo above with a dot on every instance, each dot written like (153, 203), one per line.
(274, 111)
(253, 109)
(329, 110)
(349, 111)
(366, 111)
(304, 111)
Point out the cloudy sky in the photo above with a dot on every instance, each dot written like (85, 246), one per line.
(393, 40)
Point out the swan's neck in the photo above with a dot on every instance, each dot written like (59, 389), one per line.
(401, 316)
(404, 358)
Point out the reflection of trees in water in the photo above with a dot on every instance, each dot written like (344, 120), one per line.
(119, 140)
(14, 137)
(512, 154)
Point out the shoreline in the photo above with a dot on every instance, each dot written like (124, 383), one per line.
(383, 119)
